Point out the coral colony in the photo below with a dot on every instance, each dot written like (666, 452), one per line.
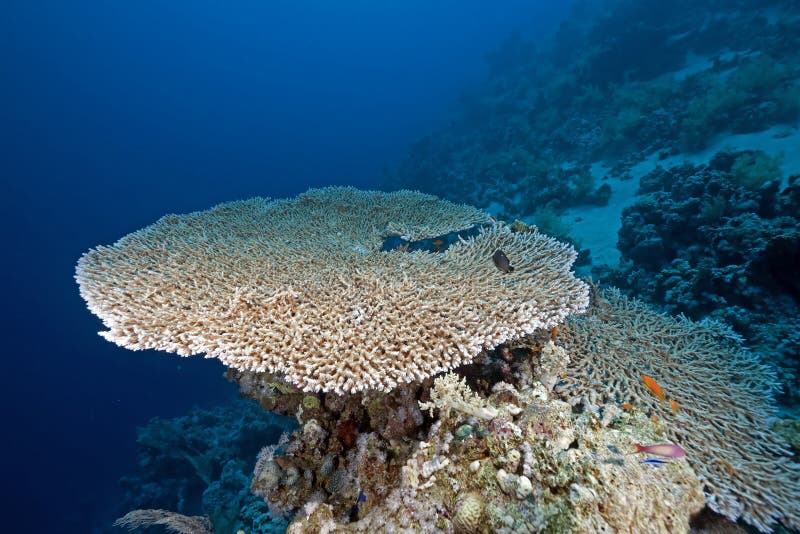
(302, 288)
(441, 390)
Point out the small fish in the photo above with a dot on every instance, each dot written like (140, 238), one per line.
(667, 450)
(628, 406)
(654, 461)
(653, 386)
(554, 334)
(674, 406)
(437, 243)
(501, 261)
(354, 510)
(613, 448)
(728, 467)
(615, 461)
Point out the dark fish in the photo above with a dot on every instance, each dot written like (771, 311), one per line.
(613, 449)
(654, 461)
(501, 261)
(354, 510)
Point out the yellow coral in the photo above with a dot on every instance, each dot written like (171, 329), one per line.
(468, 518)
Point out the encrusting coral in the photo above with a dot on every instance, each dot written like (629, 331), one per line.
(302, 288)
(718, 400)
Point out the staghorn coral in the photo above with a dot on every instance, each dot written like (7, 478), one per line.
(723, 395)
(301, 288)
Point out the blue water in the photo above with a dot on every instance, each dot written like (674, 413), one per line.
(115, 113)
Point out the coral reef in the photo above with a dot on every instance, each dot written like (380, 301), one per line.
(619, 80)
(721, 240)
(534, 436)
(534, 466)
(702, 238)
(623, 82)
(537, 436)
(344, 444)
(718, 405)
(302, 287)
(342, 308)
(201, 462)
(790, 430)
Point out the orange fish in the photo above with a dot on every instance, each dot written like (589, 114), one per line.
(627, 406)
(554, 334)
(437, 243)
(674, 406)
(653, 386)
(728, 467)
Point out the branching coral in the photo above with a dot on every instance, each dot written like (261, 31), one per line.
(450, 392)
(300, 287)
(719, 401)
(172, 522)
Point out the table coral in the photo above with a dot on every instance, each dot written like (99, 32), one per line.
(302, 288)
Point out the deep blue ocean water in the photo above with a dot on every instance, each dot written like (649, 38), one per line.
(115, 113)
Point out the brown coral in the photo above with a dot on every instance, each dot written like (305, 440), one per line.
(301, 287)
